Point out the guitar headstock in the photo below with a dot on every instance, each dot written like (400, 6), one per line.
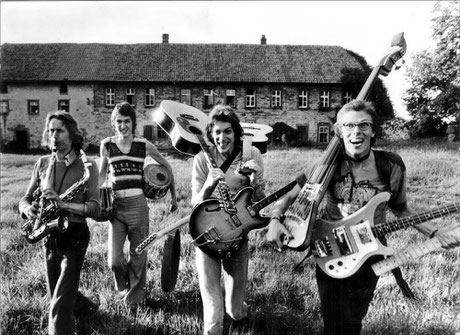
(258, 131)
(396, 53)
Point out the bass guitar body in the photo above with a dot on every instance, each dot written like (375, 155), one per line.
(341, 247)
(219, 233)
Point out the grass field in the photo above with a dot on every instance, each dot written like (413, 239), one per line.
(281, 301)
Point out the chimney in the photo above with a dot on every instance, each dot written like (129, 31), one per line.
(165, 38)
(263, 40)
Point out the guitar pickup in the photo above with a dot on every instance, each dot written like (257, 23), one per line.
(322, 247)
(342, 240)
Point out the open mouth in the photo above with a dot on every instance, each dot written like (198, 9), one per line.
(357, 141)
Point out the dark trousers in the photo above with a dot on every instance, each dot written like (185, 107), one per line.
(64, 254)
(344, 302)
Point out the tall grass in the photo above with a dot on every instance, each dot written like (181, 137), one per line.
(281, 301)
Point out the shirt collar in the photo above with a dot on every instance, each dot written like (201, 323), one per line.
(70, 157)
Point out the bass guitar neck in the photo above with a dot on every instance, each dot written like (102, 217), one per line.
(410, 254)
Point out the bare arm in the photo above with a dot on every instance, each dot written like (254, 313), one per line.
(277, 232)
(103, 163)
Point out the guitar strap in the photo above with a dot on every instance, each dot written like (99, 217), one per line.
(383, 166)
(225, 165)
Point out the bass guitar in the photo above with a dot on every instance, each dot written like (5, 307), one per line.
(410, 254)
(341, 247)
(300, 217)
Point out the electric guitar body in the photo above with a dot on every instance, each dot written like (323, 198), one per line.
(220, 233)
(341, 247)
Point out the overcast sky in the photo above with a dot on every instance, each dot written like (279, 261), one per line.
(365, 27)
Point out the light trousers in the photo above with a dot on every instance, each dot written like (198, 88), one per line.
(131, 222)
(235, 271)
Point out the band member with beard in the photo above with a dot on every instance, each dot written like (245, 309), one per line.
(126, 153)
(225, 132)
(64, 251)
(345, 302)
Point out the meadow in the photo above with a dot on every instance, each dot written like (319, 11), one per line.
(282, 301)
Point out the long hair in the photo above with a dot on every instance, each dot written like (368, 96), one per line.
(225, 114)
(71, 125)
(125, 109)
(358, 106)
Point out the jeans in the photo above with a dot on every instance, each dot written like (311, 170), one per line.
(235, 278)
(64, 255)
(131, 221)
(345, 302)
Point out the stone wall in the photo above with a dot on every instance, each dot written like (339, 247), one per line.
(87, 105)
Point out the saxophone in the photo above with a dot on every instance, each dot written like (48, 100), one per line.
(51, 217)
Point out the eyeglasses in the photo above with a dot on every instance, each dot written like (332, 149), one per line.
(362, 126)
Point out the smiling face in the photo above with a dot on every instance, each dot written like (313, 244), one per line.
(123, 125)
(224, 137)
(357, 142)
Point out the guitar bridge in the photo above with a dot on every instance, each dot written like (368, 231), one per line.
(210, 236)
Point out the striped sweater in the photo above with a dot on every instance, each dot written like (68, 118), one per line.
(127, 169)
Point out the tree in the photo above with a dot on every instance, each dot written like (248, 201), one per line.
(433, 97)
(353, 80)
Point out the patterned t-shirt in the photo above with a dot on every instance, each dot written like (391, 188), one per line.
(354, 184)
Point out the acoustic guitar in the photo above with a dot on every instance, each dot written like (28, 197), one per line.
(341, 247)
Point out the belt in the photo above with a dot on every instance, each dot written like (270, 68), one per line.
(130, 192)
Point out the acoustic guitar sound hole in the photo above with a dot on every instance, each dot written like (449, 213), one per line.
(160, 177)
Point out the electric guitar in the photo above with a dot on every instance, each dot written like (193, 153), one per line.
(221, 231)
(341, 247)
(300, 217)
(410, 254)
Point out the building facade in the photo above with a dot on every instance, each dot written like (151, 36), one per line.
(295, 89)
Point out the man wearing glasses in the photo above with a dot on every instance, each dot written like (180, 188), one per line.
(361, 174)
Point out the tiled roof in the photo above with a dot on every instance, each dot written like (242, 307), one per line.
(175, 62)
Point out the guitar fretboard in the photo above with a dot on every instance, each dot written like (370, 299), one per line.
(389, 227)
(407, 255)
(256, 207)
(222, 188)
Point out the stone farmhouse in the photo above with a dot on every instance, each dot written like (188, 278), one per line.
(296, 89)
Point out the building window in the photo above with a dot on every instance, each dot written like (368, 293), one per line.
(230, 99)
(323, 133)
(276, 99)
(208, 99)
(4, 107)
(33, 106)
(250, 98)
(186, 96)
(130, 93)
(347, 97)
(110, 97)
(3, 88)
(63, 105)
(63, 88)
(303, 99)
(150, 97)
(325, 99)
